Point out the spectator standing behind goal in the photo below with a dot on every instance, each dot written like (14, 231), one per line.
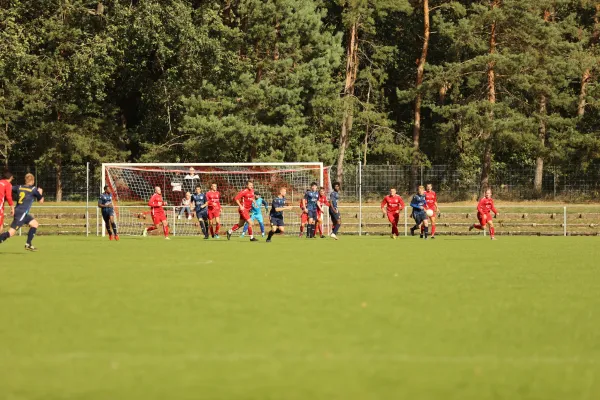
(185, 206)
(191, 180)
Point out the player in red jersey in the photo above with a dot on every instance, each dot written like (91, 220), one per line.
(159, 217)
(244, 200)
(213, 197)
(323, 202)
(484, 209)
(432, 204)
(6, 195)
(391, 206)
(303, 217)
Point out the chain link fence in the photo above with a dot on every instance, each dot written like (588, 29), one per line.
(71, 183)
(372, 182)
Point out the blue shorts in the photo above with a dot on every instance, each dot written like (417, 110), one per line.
(276, 221)
(202, 214)
(107, 214)
(419, 217)
(257, 218)
(335, 218)
(312, 214)
(21, 219)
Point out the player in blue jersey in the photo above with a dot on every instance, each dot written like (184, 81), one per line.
(276, 214)
(200, 204)
(311, 204)
(256, 214)
(334, 211)
(25, 195)
(419, 205)
(108, 213)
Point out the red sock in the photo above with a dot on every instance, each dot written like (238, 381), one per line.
(212, 231)
(395, 230)
(218, 229)
(432, 230)
(236, 227)
(477, 226)
(492, 232)
(250, 230)
(301, 228)
(422, 229)
(151, 228)
(319, 229)
(166, 230)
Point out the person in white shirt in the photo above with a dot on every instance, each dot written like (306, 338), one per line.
(185, 206)
(190, 180)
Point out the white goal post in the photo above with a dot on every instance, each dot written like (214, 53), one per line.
(132, 184)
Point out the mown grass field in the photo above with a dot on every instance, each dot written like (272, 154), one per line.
(360, 318)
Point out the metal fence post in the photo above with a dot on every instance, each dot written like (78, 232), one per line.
(87, 200)
(359, 199)
(405, 221)
(565, 221)
(174, 221)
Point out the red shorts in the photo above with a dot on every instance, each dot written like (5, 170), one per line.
(484, 218)
(157, 219)
(244, 214)
(304, 218)
(393, 218)
(214, 213)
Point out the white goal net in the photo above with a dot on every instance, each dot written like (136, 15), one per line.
(133, 184)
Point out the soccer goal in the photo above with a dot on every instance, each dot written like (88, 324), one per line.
(132, 185)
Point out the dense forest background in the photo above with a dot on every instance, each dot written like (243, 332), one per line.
(474, 85)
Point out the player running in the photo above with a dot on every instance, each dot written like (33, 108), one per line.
(311, 204)
(334, 212)
(256, 214)
(419, 205)
(26, 194)
(432, 204)
(303, 217)
(108, 213)
(244, 200)
(276, 214)
(391, 206)
(322, 203)
(159, 217)
(484, 209)
(200, 204)
(6, 195)
(214, 210)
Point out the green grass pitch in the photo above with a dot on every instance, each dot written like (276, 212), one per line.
(361, 318)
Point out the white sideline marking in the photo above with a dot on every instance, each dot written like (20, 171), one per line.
(233, 357)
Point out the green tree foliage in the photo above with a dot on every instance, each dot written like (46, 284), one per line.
(505, 83)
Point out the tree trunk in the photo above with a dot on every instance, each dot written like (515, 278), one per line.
(59, 180)
(366, 149)
(419, 97)
(351, 72)
(587, 74)
(539, 162)
(486, 166)
(585, 79)
(6, 144)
